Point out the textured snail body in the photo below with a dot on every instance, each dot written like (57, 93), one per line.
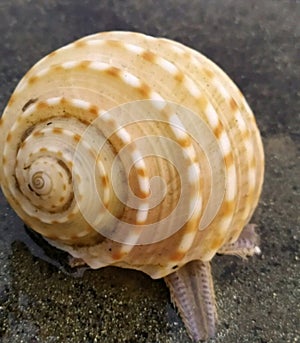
(90, 106)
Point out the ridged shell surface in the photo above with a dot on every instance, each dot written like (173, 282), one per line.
(129, 150)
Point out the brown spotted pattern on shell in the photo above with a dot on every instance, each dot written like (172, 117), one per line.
(92, 125)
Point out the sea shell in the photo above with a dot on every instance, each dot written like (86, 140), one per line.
(137, 152)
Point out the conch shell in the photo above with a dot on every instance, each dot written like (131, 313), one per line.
(138, 152)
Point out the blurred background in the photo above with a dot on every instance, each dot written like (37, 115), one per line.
(257, 43)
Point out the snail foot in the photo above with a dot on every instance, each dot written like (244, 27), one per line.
(191, 289)
(74, 262)
(246, 245)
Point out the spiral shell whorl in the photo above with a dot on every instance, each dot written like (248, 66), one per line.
(91, 126)
(46, 179)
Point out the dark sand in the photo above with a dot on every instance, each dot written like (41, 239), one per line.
(257, 43)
